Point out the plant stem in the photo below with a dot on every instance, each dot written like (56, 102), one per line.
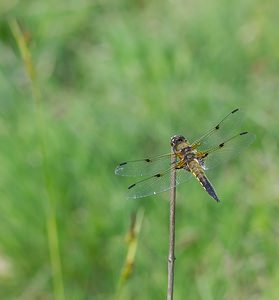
(171, 258)
(51, 222)
(132, 240)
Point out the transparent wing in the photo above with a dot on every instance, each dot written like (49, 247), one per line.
(229, 126)
(157, 183)
(226, 150)
(144, 167)
(210, 158)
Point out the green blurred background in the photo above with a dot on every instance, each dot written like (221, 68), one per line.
(118, 79)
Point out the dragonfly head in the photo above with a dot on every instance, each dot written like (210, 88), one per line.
(178, 142)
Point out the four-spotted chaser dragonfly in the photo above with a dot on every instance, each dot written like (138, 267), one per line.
(220, 143)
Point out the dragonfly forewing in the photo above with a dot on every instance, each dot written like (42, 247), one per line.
(226, 150)
(229, 126)
(144, 167)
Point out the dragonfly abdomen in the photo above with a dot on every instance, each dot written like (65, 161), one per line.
(198, 172)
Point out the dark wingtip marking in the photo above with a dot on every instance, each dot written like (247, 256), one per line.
(158, 175)
(235, 110)
(217, 127)
(148, 160)
(131, 186)
(221, 145)
(122, 164)
(242, 133)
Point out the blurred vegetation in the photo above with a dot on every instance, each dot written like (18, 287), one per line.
(118, 79)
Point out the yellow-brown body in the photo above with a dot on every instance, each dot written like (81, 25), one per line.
(188, 160)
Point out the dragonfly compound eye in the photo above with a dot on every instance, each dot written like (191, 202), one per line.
(177, 139)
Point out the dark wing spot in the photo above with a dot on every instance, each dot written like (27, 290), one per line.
(158, 175)
(235, 110)
(242, 133)
(217, 127)
(148, 160)
(221, 145)
(131, 186)
(122, 164)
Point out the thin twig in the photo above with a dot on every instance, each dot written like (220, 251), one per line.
(171, 258)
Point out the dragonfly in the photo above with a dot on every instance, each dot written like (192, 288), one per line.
(189, 159)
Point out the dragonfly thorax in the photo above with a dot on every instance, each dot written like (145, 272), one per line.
(189, 155)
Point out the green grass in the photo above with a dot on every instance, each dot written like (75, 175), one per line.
(117, 81)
